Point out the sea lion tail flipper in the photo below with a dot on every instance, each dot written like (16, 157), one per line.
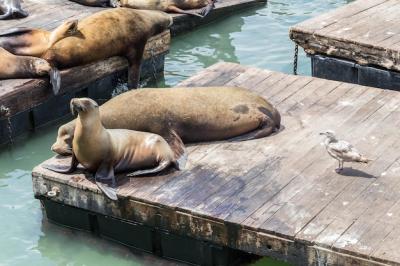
(6, 15)
(266, 128)
(55, 80)
(163, 164)
(177, 146)
(207, 9)
(64, 169)
(175, 9)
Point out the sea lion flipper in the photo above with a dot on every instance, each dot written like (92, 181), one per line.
(163, 164)
(106, 172)
(64, 169)
(177, 146)
(207, 9)
(16, 30)
(110, 192)
(266, 128)
(55, 80)
(176, 9)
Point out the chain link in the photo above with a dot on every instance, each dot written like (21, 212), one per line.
(296, 58)
(153, 62)
(5, 111)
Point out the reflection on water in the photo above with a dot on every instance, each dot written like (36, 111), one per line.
(257, 37)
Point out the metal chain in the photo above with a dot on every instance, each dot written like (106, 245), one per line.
(5, 111)
(153, 62)
(296, 58)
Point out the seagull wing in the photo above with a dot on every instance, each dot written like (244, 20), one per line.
(344, 150)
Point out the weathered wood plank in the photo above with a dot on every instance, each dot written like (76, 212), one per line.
(363, 31)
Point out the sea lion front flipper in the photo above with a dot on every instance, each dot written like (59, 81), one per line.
(106, 172)
(163, 164)
(176, 9)
(177, 146)
(55, 80)
(134, 58)
(64, 169)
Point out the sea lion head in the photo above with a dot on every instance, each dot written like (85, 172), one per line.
(83, 106)
(63, 144)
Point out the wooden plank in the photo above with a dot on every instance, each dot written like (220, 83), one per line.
(363, 31)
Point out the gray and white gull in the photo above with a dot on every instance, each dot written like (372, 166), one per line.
(342, 150)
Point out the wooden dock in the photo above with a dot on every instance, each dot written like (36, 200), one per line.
(278, 196)
(364, 33)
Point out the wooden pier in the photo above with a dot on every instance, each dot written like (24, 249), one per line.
(278, 196)
(356, 43)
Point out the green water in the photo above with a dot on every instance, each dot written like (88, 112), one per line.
(257, 37)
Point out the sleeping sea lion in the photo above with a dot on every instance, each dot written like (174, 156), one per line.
(173, 6)
(108, 151)
(12, 9)
(195, 114)
(113, 32)
(100, 3)
(13, 66)
(35, 42)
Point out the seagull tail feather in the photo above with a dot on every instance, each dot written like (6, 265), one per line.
(364, 160)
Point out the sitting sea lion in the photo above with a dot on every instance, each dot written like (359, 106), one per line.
(12, 9)
(113, 32)
(35, 42)
(108, 151)
(13, 66)
(195, 114)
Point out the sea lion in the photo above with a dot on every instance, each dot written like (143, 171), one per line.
(12, 9)
(108, 151)
(100, 3)
(35, 42)
(195, 114)
(174, 6)
(13, 66)
(113, 32)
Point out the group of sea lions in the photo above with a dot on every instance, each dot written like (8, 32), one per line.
(156, 123)
(123, 32)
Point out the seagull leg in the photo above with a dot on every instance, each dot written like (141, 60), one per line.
(339, 168)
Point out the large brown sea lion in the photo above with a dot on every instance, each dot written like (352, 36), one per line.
(12, 9)
(106, 152)
(13, 66)
(195, 114)
(35, 42)
(113, 32)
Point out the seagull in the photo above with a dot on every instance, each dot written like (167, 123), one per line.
(342, 150)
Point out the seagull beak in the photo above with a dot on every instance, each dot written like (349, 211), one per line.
(322, 133)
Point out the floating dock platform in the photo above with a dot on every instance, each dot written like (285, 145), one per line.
(357, 43)
(277, 196)
(25, 103)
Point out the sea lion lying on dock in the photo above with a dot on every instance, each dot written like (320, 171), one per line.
(108, 151)
(113, 32)
(10, 9)
(195, 114)
(173, 6)
(14, 66)
(35, 42)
